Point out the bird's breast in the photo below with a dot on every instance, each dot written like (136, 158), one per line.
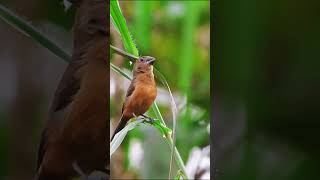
(143, 97)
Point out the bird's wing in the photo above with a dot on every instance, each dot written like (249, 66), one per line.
(67, 88)
(129, 93)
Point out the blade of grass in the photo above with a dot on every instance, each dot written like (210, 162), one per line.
(170, 142)
(118, 138)
(119, 22)
(31, 32)
(174, 111)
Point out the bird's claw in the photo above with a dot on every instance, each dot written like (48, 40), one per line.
(148, 119)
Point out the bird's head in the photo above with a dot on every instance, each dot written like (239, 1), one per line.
(144, 64)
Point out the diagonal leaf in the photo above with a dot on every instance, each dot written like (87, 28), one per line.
(119, 71)
(119, 22)
(118, 138)
(31, 32)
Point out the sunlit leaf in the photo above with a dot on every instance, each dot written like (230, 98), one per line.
(118, 138)
(119, 22)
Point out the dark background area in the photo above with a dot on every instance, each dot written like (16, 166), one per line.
(29, 75)
(266, 90)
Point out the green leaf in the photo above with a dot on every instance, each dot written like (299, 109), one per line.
(165, 131)
(119, 22)
(118, 138)
(119, 71)
(31, 32)
(180, 175)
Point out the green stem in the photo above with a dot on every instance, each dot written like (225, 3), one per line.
(169, 141)
(131, 57)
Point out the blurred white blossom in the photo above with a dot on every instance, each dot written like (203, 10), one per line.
(136, 153)
(176, 9)
(198, 165)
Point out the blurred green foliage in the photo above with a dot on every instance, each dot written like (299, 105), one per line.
(267, 69)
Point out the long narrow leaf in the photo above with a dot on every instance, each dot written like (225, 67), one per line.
(118, 138)
(119, 22)
(31, 32)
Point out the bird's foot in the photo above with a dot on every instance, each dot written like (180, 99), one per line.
(148, 119)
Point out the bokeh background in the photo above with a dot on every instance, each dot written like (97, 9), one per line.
(177, 33)
(266, 90)
(29, 75)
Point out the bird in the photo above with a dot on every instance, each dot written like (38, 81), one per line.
(141, 93)
(74, 139)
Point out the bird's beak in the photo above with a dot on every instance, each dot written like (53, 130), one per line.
(151, 61)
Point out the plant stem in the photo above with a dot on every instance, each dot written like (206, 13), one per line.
(131, 57)
(169, 141)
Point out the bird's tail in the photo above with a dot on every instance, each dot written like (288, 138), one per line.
(121, 125)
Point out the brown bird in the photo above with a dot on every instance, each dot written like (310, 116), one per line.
(141, 92)
(75, 137)
(74, 140)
